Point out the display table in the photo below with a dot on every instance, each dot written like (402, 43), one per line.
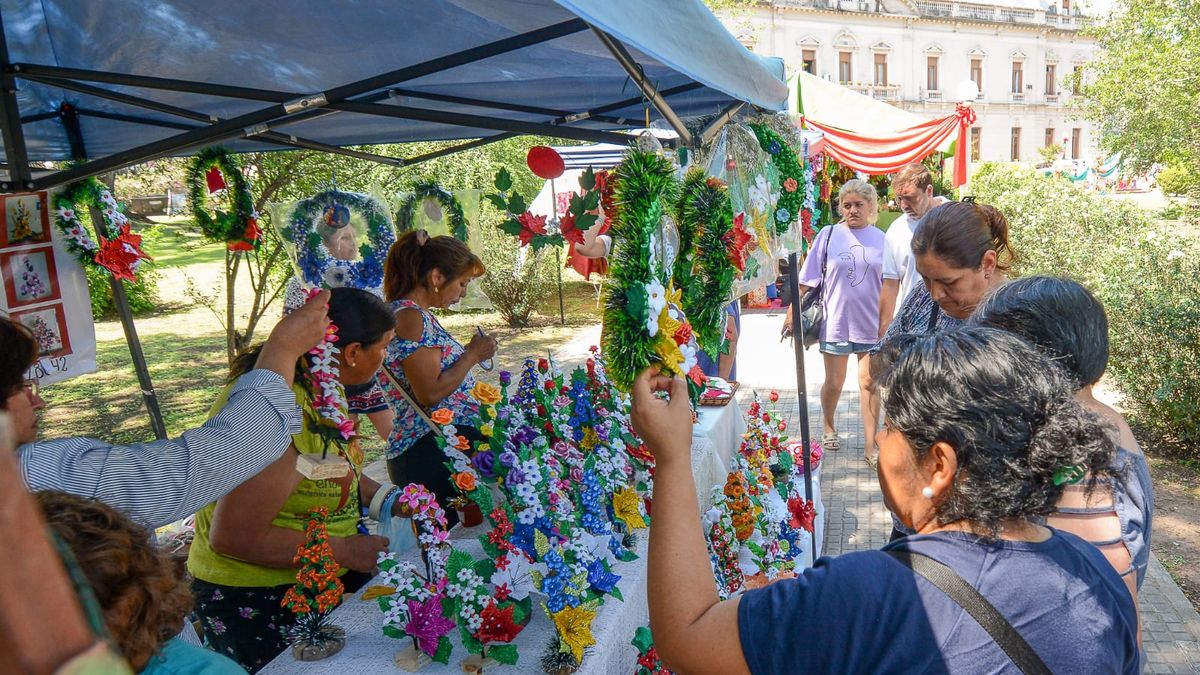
(716, 437)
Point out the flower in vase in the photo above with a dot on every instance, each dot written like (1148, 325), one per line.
(574, 626)
(497, 624)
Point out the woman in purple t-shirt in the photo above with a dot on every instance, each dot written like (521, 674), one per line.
(846, 261)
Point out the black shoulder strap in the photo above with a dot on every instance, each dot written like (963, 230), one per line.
(978, 607)
(933, 318)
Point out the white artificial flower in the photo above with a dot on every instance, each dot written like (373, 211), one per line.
(656, 297)
(517, 576)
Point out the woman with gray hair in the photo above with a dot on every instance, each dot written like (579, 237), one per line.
(845, 266)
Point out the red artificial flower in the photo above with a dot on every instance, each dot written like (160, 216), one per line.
(715, 183)
(790, 185)
(531, 225)
(684, 334)
(249, 237)
(543, 365)
(502, 592)
(737, 240)
(214, 180)
(641, 452)
(121, 254)
(566, 227)
(773, 396)
(499, 625)
(591, 368)
(802, 514)
(766, 417)
(697, 376)
(783, 425)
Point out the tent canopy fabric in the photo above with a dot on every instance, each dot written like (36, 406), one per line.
(532, 61)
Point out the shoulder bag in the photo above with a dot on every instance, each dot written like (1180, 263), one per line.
(812, 306)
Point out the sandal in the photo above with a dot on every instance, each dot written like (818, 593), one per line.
(830, 442)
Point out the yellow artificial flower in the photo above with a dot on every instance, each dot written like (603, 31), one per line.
(590, 439)
(486, 430)
(667, 327)
(485, 393)
(668, 353)
(626, 503)
(373, 592)
(574, 626)
(674, 295)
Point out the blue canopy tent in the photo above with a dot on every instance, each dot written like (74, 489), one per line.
(120, 82)
(112, 83)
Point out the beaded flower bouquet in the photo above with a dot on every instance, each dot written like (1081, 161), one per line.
(316, 593)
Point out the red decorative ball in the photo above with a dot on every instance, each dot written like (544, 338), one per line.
(545, 162)
(730, 164)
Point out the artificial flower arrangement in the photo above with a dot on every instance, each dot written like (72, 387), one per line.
(328, 416)
(579, 217)
(557, 471)
(648, 662)
(760, 516)
(119, 251)
(317, 591)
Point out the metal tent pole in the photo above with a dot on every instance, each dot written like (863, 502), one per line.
(562, 314)
(801, 381)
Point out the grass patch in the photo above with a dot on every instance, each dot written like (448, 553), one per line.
(180, 244)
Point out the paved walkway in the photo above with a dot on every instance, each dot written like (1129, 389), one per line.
(856, 518)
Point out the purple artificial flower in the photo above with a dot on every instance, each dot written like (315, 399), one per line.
(576, 474)
(525, 435)
(485, 463)
(505, 378)
(508, 458)
(426, 623)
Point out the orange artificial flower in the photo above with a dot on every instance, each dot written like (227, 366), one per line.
(462, 443)
(465, 481)
(485, 393)
(442, 416)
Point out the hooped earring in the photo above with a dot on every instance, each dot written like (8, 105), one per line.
(927, 492)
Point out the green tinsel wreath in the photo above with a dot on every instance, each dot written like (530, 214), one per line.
(785, 161)
(645, 186)
(705, 205)
(449, 203)
(238, 225)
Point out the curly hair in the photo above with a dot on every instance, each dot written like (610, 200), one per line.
(1059, 316)
(143, 598)
(19, 353)
(1008, 412)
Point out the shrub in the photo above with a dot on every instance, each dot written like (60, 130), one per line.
(1177, 179)
(517, 279)
(1143, 272)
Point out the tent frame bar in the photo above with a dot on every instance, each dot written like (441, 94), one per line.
(252, 123)
(15, 154)
(649, 90)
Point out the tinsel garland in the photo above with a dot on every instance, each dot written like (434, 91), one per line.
(645, 185)
(705, 210)
(791, 176)
(237, 228)
(115, 249)
(449, 203)
(689, 228)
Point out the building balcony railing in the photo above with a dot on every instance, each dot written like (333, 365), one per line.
(933, 95)
(1017, 97)
(978, 10)
(879, 92)
(1052, 99)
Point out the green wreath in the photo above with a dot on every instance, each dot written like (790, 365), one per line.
(791, 197)
(118, 251)
(705, 207)
(238, 228)
(645, 185)
(448, 202)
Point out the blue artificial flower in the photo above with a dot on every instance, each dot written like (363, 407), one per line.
(522, 538)
(600, 578)
(774, 147)
(783, 216)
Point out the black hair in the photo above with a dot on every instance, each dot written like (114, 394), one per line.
(19, 352)
(1008, 412)
(960, 233)
(360, 316)
(1059, 316)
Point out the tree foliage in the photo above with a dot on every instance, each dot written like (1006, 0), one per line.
(1143, 89)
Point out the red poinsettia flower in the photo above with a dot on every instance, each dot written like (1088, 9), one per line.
(566, 227)
(684, 334)
(249, 237)
(121, 254)
(737, 240)
(641, 452)
(498, 624)
(531, 225)
(714, 183)
(803, 513)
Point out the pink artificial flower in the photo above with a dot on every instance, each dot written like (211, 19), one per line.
(426, 623)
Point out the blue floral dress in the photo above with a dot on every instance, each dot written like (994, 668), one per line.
(408, 426)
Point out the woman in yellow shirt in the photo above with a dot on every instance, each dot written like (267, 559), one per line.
(241, 558)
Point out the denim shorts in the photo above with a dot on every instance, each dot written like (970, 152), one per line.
(846, 348)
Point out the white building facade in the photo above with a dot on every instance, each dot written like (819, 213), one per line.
(918, 55)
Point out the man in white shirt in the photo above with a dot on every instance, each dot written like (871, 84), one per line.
(913, 186)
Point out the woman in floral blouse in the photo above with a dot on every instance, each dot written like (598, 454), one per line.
(434, 369)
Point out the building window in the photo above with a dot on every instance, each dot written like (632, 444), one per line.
(977, 74)
(1076, 143)
(843, 67)
(931, 74)
(1049, 137)
(976, 132)
(881, 78)
(1077, 80)
(810, 61)
(1051, 79)
(1018, 77)
(1066, 6)
(1015, 150)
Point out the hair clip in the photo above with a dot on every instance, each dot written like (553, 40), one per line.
(969, 199)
